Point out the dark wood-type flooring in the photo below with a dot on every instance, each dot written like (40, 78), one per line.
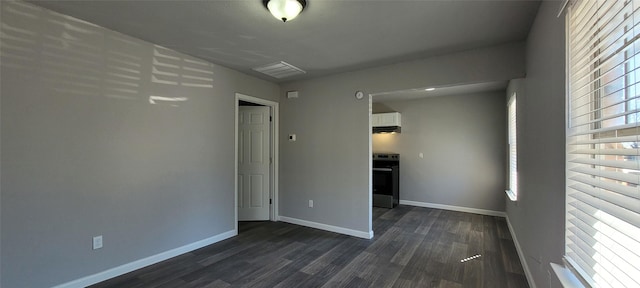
(412, 247)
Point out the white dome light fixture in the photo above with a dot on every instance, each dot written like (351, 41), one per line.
(285, 10)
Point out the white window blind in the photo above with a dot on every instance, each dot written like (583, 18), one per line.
(603, 168)
(513, 151)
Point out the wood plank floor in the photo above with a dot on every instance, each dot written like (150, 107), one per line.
(412, 247)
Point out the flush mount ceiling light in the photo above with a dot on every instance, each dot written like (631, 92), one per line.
(285, 10)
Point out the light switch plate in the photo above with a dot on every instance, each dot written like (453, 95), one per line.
(292, 137)
(97, 242)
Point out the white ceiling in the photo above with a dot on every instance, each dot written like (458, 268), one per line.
(330, 36)
(421, 92)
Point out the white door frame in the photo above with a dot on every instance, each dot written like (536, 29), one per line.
(273, 189)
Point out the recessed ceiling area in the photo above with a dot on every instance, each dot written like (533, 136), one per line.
(425, 92)
(328, 37)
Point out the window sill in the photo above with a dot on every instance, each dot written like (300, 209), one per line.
(566, 276)
(512, 196)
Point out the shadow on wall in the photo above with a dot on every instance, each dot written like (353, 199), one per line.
(73, 67)
(377, 107)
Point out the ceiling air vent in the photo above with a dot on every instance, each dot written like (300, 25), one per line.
(279, 70)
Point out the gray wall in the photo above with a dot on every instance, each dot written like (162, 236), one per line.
(330, 161)
(538, 216)
(462, 141)
(85, 152)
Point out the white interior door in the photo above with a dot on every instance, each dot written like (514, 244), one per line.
(253, 163)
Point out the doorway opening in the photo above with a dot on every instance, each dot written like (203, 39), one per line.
(256, 166)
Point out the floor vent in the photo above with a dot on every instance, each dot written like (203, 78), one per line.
(279, 70)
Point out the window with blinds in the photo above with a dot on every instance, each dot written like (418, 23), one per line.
(603, 168)
(513, 151)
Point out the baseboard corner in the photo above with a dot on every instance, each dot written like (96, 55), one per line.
(454, 208)
(326, 227)
(144, 262)
(525, 266)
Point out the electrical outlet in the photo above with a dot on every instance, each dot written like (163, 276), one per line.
(310, 203)
(97, 242)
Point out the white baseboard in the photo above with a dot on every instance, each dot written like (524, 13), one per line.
(135, 265)
(454, 208)
(331, 228)
(525, 267)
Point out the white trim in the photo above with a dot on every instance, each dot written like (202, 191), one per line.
(236, 109)
(523, 261)
(370, 167)
(454, 208)
(566, 277)
(141, 263)
(275, 110)
(331, 228)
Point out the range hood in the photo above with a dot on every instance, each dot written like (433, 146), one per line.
(386, 123)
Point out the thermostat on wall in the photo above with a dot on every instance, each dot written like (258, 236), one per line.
(292, 94)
